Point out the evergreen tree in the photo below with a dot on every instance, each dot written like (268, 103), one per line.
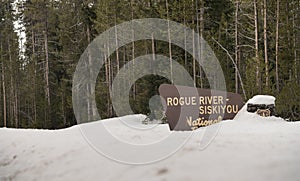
(256, 42)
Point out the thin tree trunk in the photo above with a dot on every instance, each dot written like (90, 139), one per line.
(106, 68)
(198, 44)
(34, 78)
(266, 45)
(287, 19)
(194, 60)
(184, 22)
(117, 45)
(11, 93)
(4, 94)
(133, 50)
(170, 43)
(3, 89)
(200, 32)
(124, 64)
(46, 73)
(63, 108)
(201, 37)
(92, 110)
(294, 41)
(236, 47)
(12, 86)
(47, 68)
(276, 45)
(239, 75)
(153, 50)
(109, 80)
(256, 44)
(16, 108)
(194, 49)
(88, 86)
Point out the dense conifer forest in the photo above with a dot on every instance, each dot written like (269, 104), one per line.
(260, 37)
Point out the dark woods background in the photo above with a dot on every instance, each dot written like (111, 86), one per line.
(260, 36)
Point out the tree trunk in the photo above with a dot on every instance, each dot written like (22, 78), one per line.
(184, 22)
(198, 44)
(34, 78)
(266, 45)
(256, 45)
(109, 81)
(13, 99)
(170, 43)
(201, 37)
(47, 68)
(63, 108)
(92, 110)
(236, 47)
(200, 26)
(295, 41)
(194, 46)
(4, 93)
(153, 50)
(194, 60)
(46, 64)
(117, 45)
(276, 45)
(133, 50)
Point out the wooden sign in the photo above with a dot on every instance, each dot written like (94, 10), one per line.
(188, 108)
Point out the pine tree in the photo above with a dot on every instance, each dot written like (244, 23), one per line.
(10, 64)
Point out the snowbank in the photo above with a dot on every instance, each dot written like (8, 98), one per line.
(247, 148)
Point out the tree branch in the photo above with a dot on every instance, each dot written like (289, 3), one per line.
(235, 66)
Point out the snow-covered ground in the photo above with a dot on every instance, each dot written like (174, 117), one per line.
(249, 147)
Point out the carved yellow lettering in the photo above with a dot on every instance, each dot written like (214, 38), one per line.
(201, 100)
(169, 101)
(229, 109)
(220, 99)
(181, 101)
(220, 118)
(201, 110)
(235, 108)
(187, 100)
(209, 111)
(209, 99)
(193, 100)
(194, 123)
(175, 101)
(214, 109)
(189, 120)
(215, 100)
(205, 123)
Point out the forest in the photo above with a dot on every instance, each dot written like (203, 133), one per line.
(256, 42)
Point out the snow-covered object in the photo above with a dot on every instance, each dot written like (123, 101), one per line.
(243, 114)
(262, 99)
(247, 148)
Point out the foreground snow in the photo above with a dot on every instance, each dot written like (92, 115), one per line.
(247, 148)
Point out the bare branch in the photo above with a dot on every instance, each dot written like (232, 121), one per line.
(235, 66)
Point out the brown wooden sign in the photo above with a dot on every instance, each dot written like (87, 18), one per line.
(188, 108)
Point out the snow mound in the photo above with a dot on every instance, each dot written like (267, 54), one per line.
(249, 147)
(262, 99)
(244, 115)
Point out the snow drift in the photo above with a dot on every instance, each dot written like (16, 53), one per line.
(249, 147)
